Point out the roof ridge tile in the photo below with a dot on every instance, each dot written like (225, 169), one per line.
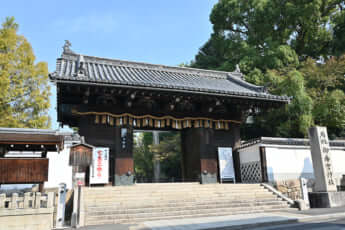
(128, 73)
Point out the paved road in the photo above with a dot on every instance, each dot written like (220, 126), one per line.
(229, 222)
(335, 224)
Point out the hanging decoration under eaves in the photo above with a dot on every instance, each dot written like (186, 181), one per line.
(151, 121)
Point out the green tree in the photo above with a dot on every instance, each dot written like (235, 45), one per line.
(276, 43)
(169, 154)
(24, 89)
(290, 120)
(271, 34)
(325, 84)
(143, 157)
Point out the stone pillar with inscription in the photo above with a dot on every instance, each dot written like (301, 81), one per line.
(325, 193)
(322, 161)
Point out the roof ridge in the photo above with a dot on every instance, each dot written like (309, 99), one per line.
(72, 66)
(285, 141)
(246, 84)
(145, 65)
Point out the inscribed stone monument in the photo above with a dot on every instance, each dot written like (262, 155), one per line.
(322, 160)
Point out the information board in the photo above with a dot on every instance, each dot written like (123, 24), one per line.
(226, 166)
(99, 169)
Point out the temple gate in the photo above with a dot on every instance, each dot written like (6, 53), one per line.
(107, 99)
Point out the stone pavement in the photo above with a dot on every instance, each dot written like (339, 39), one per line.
(243, 221)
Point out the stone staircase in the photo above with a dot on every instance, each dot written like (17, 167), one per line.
(144, 202)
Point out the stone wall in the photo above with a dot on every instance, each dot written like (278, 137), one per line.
(290, 188)
(27, 221)
(32, 211)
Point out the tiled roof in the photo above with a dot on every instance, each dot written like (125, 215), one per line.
(287, 141)
(32, 136)
(29, 133)
(72, 67)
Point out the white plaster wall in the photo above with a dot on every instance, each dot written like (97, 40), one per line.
(59, 170)
(291, 162)
(284, 163)
(249, 154)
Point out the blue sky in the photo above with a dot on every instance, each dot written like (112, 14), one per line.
(154, 31)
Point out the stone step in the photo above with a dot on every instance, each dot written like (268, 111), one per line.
(201, 190)
(172, 195)
(160, 191)
(109, 215)
(170, 187)
(97, 221)
(186, 184)
(180, 196)
(143, 204)
(170, 204)
(176, 199)
(122, 210)
(192, 192)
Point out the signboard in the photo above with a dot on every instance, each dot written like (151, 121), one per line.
(99, 169)
(79, 179)
(226, 166)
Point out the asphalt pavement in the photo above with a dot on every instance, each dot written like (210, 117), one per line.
(332, 224)
(319, 219)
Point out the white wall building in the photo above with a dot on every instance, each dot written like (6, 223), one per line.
(270, 159)
(59, 169)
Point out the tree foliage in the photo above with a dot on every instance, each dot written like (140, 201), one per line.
(325, 85)
(168, 152)
(24, 90)
(288, 46)
(143, 157)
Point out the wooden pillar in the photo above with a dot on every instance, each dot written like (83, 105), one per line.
(199, 155)
(263, 164)
(208, 157)
(236, 143)
(190, 156)
(124, 166)
(41, 187)
(101, 135)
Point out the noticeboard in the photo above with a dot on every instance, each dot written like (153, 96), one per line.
(226, 166)
(99, 169)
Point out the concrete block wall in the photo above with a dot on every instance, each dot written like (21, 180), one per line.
(27, 221)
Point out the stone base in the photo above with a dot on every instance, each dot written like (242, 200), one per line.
(208, 178)
(326, 199)
(124, 180)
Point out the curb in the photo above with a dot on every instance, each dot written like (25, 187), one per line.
(321, 217)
